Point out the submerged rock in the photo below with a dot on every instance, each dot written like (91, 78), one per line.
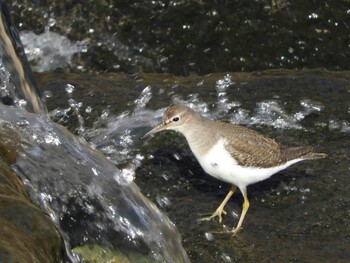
(27, 233)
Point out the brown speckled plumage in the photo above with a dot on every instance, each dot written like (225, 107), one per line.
(248, 147)
(252, 149)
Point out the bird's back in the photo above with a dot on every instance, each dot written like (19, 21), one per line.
(250, 148)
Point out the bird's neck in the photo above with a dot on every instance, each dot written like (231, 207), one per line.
(200, 136)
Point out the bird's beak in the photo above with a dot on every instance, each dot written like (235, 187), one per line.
(158, 128)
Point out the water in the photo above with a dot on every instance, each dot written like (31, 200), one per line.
(289, 212)
(294, 109)
(49, 50)
(87, 197)
(63, 175)
(294, 204)
(299, 215)
(194, 37)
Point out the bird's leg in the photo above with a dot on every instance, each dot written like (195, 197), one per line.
(220, 209)
(244, 212)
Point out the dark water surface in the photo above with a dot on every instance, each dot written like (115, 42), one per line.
(300, 214)
(184, 37)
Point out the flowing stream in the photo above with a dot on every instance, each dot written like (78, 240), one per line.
(81, 160)
(88, 198)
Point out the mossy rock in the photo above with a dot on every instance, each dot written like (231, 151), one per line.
(96, 254)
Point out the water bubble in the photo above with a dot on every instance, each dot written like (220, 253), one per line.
(22, 103)
(105, 114)
(88, 109)
(74, 104)
(311, 105)
(163, 201)
(108, 150)
(345, 126)
(126, 139)
(47, 94)
(313, 16)
(143, 99)
(137, 160)
(125, 177)
(334, 124)
(165, 176)
(240, 116)
(234, 214)
(52, 139)
(304, 190)
(226, 258)
(200, 83)
(112, 211)
(139, 157)
(224, 83)
(51, 22)
(45, 197)
(209, 236)
(36, 151)
(95, 171)
(69, 88)
(177, 156)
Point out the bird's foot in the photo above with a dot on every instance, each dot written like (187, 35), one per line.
(217, 213)
(226, 231)
(234, 231)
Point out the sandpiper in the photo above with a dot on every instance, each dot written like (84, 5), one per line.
(232, 153)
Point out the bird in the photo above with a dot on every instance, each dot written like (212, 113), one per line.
(231, 153)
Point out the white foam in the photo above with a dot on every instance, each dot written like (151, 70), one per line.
(49, 50)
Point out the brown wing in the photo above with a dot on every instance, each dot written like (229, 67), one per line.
(250, 148)
(304, 152)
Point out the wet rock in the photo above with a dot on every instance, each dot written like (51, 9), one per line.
(27, 234)
(98, 254)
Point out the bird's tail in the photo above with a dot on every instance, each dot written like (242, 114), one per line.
(314, 156)
(303, 152)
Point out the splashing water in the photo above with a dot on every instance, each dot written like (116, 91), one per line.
(49, 50)
(87, 197)
(116, 136)
(64, 175)
(223, 102)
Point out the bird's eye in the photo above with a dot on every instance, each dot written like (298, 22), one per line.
(176, 119)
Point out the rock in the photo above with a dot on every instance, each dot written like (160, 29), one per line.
(27, 233)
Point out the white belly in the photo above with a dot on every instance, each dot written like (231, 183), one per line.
(219, 164)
